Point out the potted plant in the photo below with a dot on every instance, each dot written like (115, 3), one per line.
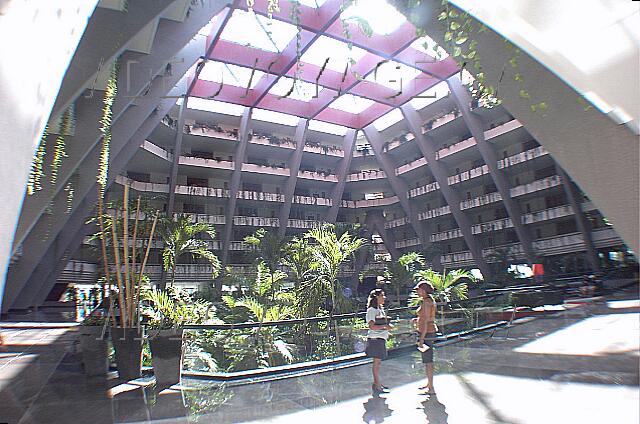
(129, 276)
(167, 311)
(93, 345)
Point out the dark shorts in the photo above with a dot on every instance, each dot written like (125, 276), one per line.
(427, 357)
(376, 348)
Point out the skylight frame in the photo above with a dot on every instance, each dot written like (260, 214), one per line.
(250, 29)
(357, 104)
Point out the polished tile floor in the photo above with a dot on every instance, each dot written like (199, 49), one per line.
(575, 366)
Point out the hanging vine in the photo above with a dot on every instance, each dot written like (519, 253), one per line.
(68, 188)
(59, 151)
(35, 176)
(294, 15)
(105, 127)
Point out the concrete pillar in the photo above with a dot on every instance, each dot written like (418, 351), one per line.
(575, 200)
(441, 175)
(348, 145)
(175, 164)
(27, 94)
(463, 99)
(236, 177)
(294, 167)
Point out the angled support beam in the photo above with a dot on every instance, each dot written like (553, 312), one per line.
(574, 197)
(175, 164)
(474, 123)
(294, 167)
(135, 76)
(337, 191)
(375, 220)
(52, 264)
(38, 240)
(236, 177)
(108, 35)
(398, 185)
(441, 174)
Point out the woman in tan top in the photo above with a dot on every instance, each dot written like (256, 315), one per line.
(427, 328)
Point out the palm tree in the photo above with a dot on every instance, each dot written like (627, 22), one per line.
(299, 258)
(268, 248)
(400, 272)
(180, 237)
(331, 252)
(447, 286)
(500, 260)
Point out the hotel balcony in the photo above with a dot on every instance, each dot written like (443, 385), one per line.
(397, 222)
(312, 200)
(366, 175)
(201, 191)
(547, 214)
(256, 221)
(354, 204)
(455, 148)
(218, 131)
(303, 223)
(481, 201)
(401, 244)
(275, 142)
(606, 237)
(446, 235)
(497, 225)
(206, 163)
(318, 176)
(502, 129)
(433, 213)
(428, 188)
(265, 169)
(207, 219)
(411, 166)
(140, 186)
(260, 196)
(522, 157)
(458, 258)
(538, 185)
(468, 175)
(324, 149)
(156, 150)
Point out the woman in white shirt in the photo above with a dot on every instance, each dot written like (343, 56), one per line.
(377, 336)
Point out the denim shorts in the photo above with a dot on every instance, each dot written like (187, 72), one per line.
(427, 356)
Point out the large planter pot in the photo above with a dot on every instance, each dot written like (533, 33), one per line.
(166, 355)
(95, 356)
(127, 343)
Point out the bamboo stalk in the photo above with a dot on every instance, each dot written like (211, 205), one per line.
(133, 256)
(125, 248)
(121, 301)
(105, 258)
(144, 261)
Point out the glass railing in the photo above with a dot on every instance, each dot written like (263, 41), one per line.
(251, 348)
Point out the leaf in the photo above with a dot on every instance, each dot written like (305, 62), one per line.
(513, 62)
(442, 16)
(457, 51)
(542, 106)
(518, 77)
(448, 36)
(453, 14)
(525, 94)
(454, 26)
(461, 38)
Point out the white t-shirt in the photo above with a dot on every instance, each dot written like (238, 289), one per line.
(372, 314)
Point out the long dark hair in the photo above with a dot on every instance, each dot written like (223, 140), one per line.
(372, 301)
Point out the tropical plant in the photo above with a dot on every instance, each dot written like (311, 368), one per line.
(180, 237)
(331, 252)
(448, 285)
(268, 248)
(174, 308)
(400, 272)
(500, 261)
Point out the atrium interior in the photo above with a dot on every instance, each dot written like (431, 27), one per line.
(201, 196)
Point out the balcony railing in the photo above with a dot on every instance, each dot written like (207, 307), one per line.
(560, 244)
(208, 219)
(303, 223)
(418, 191)
(371, 174)
(79, 272)
(455, 148)
(324, 149)
(411, 166)
(456, 258)
(265, 169)
(156, 150)
(606, 237)
(397, 222)
(537, 185)
(446, 235)
(256, 221)
(385, 201)
(443, 210)
(468, 175)
(544, 215)
(206, 163)
(240, 245)
(202, 191)
(522, 157)
(258, 139)
(312, 200)
(261, 196)
(216, 131)
(502, 129)
(140, 186)
(497, 225)
(318, 176)
(481, 200)
(400, 244)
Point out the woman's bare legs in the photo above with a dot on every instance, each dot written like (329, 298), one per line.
(376, 372)
(429, 370)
